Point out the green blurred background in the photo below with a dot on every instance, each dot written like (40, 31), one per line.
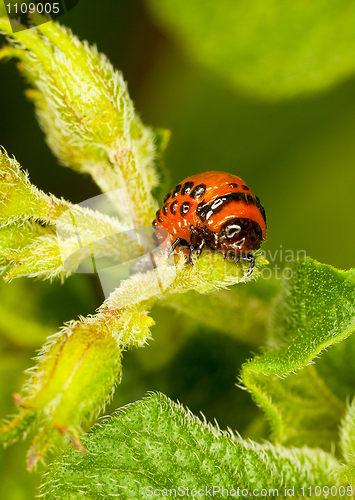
(289, 137)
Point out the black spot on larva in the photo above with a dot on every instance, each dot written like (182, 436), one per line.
(154, 223)
(184, 209)
(198, 191)
(205, 210)
(176, 190)
(245, 187)
(173, 207)
(166, 197)
(158, 216)
(233, 185)
(186, 188)
(217, 203)
(201, 209)
(165, 209)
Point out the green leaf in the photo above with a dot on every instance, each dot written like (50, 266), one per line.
(337, 368)
(57, 232)
(315, 310)
(83, 106)
(157, 444)
(274, 49)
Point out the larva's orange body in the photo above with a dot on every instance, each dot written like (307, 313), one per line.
(213, 209)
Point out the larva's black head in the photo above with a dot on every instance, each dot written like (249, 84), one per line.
(240, 235)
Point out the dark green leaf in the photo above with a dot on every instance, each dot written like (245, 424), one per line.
(315, 310)
(155, 444)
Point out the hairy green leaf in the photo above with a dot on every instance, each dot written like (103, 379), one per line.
(82, 104)
(274, 49)
(57, 232)
(156, 444)
(315, 310)
(337, 368)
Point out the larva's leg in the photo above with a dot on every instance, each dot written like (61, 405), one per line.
(197, 249)
(248, 258)
(179, 242)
